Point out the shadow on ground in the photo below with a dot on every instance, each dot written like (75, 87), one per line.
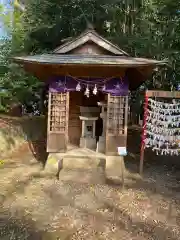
(35, 130)
(150, 158)
(109, 214)
(13, 228)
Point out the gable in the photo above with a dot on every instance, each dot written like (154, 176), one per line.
(90, 48)
(87, 38)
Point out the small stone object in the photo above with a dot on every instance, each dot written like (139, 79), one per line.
(1, 162)
(52, 160)
(52, 164)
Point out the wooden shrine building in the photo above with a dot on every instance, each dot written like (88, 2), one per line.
(89, 79)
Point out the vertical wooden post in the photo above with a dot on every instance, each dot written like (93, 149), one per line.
(122, 171)
(67, 117)
(107, 120)
(143, 135)
(49, 113)
(126, 118)
(94, 129)
(83, 129)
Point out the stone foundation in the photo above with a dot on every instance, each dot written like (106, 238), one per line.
(101, 145)
(84, 159)
(88, 143)
(114, 166)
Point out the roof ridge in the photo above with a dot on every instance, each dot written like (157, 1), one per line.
(73, 40)
(116, 46)
(93, 32)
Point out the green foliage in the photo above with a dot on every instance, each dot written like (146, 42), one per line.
(16, 84)
(146, 28)
(55, 20)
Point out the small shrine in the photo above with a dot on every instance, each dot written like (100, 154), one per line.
(85, 73)
(89, 116)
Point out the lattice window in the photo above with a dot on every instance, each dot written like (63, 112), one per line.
(58, 112)
(117, 115)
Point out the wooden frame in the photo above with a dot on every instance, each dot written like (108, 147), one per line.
(148, 94)
(116, 128)
(58, 118)
(163, 94)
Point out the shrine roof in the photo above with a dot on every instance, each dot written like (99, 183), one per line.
(99, 60)
(90, 35)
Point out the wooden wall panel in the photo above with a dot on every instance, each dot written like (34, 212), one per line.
(113, 142)
(58, 117)
(56, 142)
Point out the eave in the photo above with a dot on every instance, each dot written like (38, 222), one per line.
(98, 60)
(46, 65)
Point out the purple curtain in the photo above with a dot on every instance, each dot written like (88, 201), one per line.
(114, 86)
(117, 87)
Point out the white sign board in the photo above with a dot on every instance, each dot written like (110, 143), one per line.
(122, 151)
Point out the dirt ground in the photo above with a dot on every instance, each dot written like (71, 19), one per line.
(34, 205)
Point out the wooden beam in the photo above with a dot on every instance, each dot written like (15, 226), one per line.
(163, 94)
(136, 76)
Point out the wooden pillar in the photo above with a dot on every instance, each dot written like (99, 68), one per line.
(83, 129)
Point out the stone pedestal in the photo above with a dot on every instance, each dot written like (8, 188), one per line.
(101, 145)
(88, 137)
(115, 167)
(88, 143)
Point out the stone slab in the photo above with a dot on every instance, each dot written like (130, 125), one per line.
(101, 145)
(114, 166)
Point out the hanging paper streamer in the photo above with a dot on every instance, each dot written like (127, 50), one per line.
(87, 92)
(163, 127)
(78, 87)
(95, 90)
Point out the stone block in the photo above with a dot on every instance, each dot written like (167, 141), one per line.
(101, 145)
(88, 143)
(114, 166)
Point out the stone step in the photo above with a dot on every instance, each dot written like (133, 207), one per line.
(93, 176)
(111, 165)
(88, 169)
(78, 162)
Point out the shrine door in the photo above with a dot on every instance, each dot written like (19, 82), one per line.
(58, 116)
(117, 118)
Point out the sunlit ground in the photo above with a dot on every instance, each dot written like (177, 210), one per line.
(37, 206)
